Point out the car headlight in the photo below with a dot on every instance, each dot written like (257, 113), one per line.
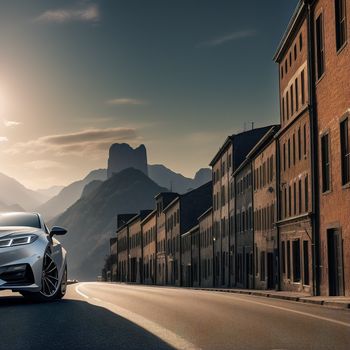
(17, 240)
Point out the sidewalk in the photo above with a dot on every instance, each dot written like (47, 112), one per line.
(333, 302)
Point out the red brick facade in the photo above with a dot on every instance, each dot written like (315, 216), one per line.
(333, 105)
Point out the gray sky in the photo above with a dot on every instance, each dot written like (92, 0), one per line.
(176, 75)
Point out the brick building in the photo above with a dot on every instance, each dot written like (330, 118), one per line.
(195, 256)
(264, 165)
(181, 215)
(296, 193)
(330, 23)
(205, 222)
(231, 154)
(162, 200)
(173, 254)
(313, 60)
(244, 240)
(113, 252)
(186, 259)
(149, 244)
(123, 251)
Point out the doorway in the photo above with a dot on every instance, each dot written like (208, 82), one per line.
(335, 262)
(270, 271)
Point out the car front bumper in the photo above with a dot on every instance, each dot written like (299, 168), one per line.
(21, 266)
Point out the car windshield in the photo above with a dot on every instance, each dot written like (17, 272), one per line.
(20, 219)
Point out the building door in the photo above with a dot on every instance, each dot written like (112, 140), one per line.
(335, 263)
(270, 271)
(246, 267)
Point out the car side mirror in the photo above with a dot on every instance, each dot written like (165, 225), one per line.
(57, 231)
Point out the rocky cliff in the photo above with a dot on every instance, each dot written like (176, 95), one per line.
(122, 156)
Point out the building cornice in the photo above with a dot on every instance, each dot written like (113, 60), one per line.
(292, 27)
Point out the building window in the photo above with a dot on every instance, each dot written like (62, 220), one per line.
(325, 163)
(300, 197)
(305, 151)
(296, 261)
(299, 144)
(288, 153)
(284, 157)
(283, 248)
(340, 22)
(306, 262)
(345, 151)
(262, 266)
(300, 41)
(288, 259)
(294, 153)
(319, 46)
(291, 100)
(290, 59)
(302, 88)
(290, 200)
(306, 193)
(295, 52)
(285, 202)
(282, 72)
(286, 66)
(295, 197)
(296, 94)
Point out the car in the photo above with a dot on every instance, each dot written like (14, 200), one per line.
(32, 261)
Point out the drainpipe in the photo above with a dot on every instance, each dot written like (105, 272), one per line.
(278, 210)
(252, 222)
(314, 151)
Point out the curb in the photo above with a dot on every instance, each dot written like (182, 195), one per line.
(301, 299)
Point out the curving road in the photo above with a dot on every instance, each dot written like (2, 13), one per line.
(114, 316)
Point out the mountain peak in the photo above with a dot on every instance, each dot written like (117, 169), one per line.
(123, 156)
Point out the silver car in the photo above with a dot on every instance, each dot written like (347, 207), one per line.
(32, 261)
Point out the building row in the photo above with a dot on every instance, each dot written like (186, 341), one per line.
(276, 213)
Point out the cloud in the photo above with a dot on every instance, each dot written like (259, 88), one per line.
(90, 13)
(42, 164)
(127, 102)
(3, 139)
(11, 123)
(78, 143)
(226, 38)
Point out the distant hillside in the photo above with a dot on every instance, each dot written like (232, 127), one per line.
(69, 195)
(12, 207)
(91, 221)
(50, 192)
(12, 192)
(175, 181)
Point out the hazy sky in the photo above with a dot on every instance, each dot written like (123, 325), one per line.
(176, 75)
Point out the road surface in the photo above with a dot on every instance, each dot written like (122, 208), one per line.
(114, 316)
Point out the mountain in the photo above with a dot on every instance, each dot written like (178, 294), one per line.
(175, 181)
(13, 192)
(50, 192)
(122, 156)
(69, 195)
(11, 207)
(202, 176)
(92, 220)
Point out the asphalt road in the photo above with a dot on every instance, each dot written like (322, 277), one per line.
(112, 316)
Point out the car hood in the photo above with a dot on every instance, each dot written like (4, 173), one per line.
(5, 231)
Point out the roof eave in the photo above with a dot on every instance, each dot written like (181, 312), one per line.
(291, 26)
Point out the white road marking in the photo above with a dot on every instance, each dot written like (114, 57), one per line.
(293, 311)
(345, 324)
(159, 331)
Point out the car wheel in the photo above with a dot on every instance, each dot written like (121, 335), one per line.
(63, 287)
(51, 289)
